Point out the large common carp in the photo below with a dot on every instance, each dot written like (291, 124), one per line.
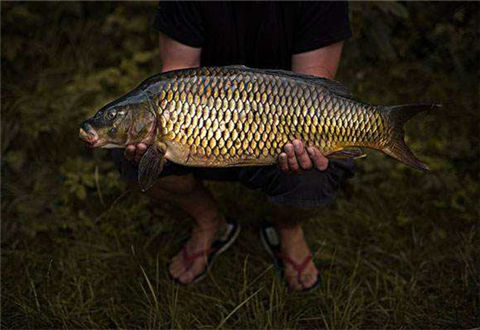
(238, 116)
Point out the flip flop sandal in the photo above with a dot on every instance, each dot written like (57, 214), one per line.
(219, 246)
(272, 244)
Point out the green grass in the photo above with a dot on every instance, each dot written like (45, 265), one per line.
(397, 249)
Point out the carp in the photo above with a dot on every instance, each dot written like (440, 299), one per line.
(240, 116)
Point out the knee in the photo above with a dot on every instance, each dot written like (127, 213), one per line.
(175, 185)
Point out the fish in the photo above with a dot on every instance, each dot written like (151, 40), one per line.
(239, 116)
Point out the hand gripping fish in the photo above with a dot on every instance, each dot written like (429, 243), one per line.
(239, 116)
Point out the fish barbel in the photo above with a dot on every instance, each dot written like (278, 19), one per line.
(239, 116)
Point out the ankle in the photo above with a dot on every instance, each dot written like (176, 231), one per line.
(290, 234)
(293, 241)
(211, 223)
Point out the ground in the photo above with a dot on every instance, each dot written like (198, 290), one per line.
(397, 249)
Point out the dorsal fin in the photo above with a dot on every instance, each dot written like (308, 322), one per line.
(332, 85)
(237, 66)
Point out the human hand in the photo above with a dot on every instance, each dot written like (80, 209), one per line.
(296, 158)
(135, 151)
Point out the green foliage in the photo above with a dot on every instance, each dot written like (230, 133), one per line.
(398, 248)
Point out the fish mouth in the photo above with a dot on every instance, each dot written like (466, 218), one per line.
(90, 144)
(88, 135)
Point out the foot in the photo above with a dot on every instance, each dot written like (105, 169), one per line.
(295, 248)
(184, 270)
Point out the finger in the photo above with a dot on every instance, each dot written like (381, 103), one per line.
(319, 160)
(141, 147)
(283, 162)
(293, 164)
(302, 156)
(289, 150)
(129, 152)
(291, 159)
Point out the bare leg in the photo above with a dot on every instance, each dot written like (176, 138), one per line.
(294, 245)
(191, 195)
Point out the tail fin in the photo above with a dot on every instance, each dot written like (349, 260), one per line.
(396, 148)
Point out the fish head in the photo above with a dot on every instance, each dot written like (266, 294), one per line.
(119, 124)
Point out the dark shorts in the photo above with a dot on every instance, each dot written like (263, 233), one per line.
(308, 189)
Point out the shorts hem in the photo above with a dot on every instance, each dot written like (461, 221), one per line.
(309, 203)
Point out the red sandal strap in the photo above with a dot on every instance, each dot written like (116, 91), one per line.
(190, 258)
(299, 267)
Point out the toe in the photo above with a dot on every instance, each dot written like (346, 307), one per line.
(186, 277)
(309, 276)
(293, 283)
(292, 279)
(177, 266)
(196, 268)
(176, 269)
(307, 279)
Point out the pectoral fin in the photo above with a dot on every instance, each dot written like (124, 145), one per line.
(150, 167)
(348, 153)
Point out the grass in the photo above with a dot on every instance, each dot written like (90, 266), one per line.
(397, 249)
(374, 273)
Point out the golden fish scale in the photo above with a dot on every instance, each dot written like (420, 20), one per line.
(233, 116)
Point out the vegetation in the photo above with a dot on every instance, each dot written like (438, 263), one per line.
(398, 249)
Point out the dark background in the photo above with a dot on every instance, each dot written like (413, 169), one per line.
(399, 248)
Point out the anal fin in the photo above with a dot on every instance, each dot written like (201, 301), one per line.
(399, 150)
(350, 152)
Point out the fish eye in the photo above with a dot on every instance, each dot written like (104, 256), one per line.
(111, 114)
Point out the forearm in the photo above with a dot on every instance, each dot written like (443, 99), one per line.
(175, 55)
(321, 62)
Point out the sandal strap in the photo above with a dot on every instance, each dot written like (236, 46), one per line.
(299, 267)
(190, 258)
